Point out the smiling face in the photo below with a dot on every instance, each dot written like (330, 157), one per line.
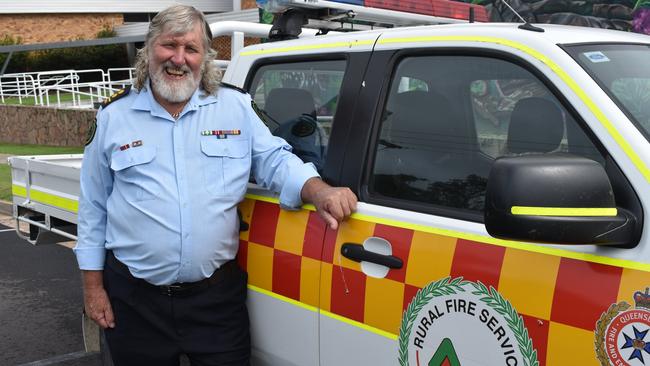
(176, 64)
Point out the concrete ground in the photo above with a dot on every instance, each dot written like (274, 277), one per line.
(40, 303)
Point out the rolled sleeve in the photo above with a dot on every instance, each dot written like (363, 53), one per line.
(90, 258)
(290, 195)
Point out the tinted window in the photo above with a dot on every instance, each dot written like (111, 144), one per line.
(437, 141)
(300, 100)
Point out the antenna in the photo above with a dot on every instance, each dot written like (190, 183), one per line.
(526, 25)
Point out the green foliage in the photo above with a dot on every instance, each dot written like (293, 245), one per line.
(78, 58)
(18, 58)
(5, 182)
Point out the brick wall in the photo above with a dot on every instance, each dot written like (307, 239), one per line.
(222, 44)
(248, 4)
(40, 28)
(44, 125)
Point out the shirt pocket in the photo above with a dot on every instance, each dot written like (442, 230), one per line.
(227, 165)
(135, 174)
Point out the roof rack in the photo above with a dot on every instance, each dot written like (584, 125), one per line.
(343, 16)
(393, 14)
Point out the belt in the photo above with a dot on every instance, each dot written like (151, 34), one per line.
(175, 289)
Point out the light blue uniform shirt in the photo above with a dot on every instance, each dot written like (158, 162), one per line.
(166, 205)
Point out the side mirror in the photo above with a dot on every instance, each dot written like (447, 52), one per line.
(555, 198)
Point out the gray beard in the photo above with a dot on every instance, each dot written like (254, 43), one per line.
(173, 91)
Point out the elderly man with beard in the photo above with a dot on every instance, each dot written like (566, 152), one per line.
(160, 182)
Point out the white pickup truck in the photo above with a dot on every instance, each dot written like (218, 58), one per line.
(503, 173)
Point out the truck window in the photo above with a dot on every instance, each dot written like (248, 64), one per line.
(497, 103)
(300, 100)
(436, 144)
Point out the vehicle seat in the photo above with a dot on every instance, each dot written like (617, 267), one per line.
(284, 104)
(536, 126)
(425, 148)
(294, 111)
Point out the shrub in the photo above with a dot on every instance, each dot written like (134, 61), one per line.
(78, 58)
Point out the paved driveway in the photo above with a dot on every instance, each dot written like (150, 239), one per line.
(40, 304)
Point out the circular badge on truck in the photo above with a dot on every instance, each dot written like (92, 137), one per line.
(455, 322)
(622, 333)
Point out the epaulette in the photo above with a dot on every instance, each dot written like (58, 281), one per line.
(117, 95)
(230, 86)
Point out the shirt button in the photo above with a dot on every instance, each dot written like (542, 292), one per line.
(184, 204)
(186, 235)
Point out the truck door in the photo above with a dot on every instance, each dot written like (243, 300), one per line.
(413, 278)
(301, 99)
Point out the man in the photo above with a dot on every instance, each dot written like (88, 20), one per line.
(160, 183)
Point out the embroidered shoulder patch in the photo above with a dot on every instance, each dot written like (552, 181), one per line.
(117, 95)
(90, 135)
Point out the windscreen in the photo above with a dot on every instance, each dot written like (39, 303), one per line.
(623, 71)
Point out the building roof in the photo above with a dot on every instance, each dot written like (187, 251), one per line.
(128, 33)
(108, 6)
(139, 29)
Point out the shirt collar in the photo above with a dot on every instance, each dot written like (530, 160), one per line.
(145, 101)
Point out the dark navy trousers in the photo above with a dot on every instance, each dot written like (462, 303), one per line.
(209, 325)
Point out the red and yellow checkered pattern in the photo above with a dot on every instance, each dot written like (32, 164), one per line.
(560, 299)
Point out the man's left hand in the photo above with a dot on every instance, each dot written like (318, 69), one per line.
(333, 204)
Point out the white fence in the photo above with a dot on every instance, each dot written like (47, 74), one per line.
(67, 88)
(63, 88)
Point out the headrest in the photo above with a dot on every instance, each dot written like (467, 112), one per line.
(284, 104)
(536, 125)
(427, 114)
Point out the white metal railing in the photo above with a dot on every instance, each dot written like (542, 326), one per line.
(63, 88)
(84, 88)
(67, 88)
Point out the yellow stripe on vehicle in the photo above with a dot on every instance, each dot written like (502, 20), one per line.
(536, 248)
(19, 191)
(563, 211)
(46, 198)
(309, 47)
(308, 207)
(283, 298)
(609, 126)
(323, 312)
(357, 324)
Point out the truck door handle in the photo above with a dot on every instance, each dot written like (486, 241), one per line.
(358, 253)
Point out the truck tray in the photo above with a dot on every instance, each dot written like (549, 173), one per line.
(45, 190)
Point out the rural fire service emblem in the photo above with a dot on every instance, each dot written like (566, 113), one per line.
(622, 333)
(453, 322)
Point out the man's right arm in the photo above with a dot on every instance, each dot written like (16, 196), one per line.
(96, 303)
(96, 185)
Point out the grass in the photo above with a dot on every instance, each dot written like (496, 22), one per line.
(5, 182)
(13, 149)
(63, 97)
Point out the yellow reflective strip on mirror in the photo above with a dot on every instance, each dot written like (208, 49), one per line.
(563, 211)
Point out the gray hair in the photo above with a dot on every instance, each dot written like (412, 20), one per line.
(178, 19)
